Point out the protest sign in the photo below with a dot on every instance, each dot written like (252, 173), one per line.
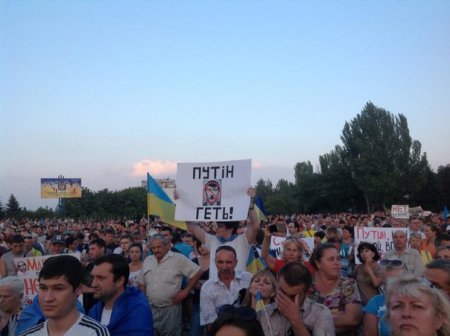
(400, 211)
(214, 191)
(382, 238)
(28, 269)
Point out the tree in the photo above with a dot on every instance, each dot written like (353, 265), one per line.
(383, 161)
(443, 177)
(12, 207)
(2, 210)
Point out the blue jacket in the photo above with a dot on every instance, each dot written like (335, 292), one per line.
(131, 314)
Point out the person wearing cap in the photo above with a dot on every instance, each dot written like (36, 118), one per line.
(57, 245)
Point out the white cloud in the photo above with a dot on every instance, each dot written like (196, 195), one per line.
(154, 167)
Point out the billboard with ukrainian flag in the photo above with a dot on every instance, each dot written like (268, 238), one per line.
(60, 187)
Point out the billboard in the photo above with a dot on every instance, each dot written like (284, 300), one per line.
(60, 187)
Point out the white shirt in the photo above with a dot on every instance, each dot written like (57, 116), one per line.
(84, 326)
(215, 293)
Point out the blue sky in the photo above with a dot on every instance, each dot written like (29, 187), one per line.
(106, 90)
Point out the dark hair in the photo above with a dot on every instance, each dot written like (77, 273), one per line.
(294, 274)
(349, 229)
(99, 242)
(318, 253)
(63, 265)
(441, 264)
(243, 318)
(231, 225)
(17, 239)
(69, 241)
(127, 236)
(333, 230)
(139, 246)
(369, 246)
(319, 234)
(167, 228)
(119, 266)
(440, 238)
(226, 248)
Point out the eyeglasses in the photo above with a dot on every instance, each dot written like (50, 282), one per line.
(244, 313)
(393, 262)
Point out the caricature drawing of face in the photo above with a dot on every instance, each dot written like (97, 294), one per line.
(212, 193)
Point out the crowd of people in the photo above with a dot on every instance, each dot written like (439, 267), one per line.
(148, 278)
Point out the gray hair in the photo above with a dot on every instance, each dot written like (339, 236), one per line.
(160, 237)
(412, 286)
(15, 283)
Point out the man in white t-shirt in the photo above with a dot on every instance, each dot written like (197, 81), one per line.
(59, 287)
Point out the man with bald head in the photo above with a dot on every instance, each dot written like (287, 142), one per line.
(410, 257)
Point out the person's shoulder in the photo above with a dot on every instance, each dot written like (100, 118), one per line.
(38, 329)
(310, 306)
(95, 327)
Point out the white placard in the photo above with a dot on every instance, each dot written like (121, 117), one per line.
(382, 238)
(213, 191)
(400, 211)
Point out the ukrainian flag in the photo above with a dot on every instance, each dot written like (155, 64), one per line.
(159, 204)
(259, 301)
(260, 210)
(254, 262)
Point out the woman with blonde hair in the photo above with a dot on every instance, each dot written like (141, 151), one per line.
(414, 307)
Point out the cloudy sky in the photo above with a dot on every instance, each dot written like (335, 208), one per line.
(108, 90)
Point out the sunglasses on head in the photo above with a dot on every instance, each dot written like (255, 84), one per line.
(244, 313)
(393, 262)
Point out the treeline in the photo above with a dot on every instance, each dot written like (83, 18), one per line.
(377, 165)
(130, 203)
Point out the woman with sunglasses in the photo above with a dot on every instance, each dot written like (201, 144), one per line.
(368, 273)
(375, 309)
(338, 293)
(414, 307)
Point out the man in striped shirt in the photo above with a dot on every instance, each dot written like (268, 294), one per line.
(59, 287)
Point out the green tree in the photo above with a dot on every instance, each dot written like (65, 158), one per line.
(443, 177)
(12, 207)
(263, 189)
(2, 210)
(383, 161)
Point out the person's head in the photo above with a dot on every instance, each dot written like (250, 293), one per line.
(391, 268)
(332, 232)
(443, 252)
(294, 280)
(226, 229)
(318, 236)
(17, 244)
(413, 307)
(159, 246)
(399, 237)
(347, 232)
(136, 251)
(167, 232)
(293, 228)
(430, 231)
(187, 238)
(97, 248)
(11, 294)
(59, 286)
(109, 236)
(264, 282)
(326, 260)
(415, 223)
(415, 240)
(367, 251)
(125, 242)
(28, 242)
(240, 321)
(110, 277)
(226, 262)
(57, 244)
(292, 250)
(438, 273)
(442, 240)
(71, 243)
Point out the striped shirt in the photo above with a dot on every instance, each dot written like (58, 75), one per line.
(84, 325)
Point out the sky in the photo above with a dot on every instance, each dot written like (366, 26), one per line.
(108, 90)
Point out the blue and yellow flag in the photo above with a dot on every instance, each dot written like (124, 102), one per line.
(260, 210)
(254, 262)
(159, 204)
(259, 301)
